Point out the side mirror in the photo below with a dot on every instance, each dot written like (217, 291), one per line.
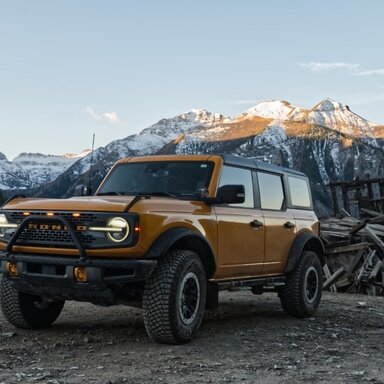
(228, 194)
(82, 190)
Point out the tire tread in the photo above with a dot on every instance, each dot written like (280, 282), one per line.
(19, 308)
(159, 293)
(291, 297)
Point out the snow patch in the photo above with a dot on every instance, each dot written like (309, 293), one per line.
(271, 109)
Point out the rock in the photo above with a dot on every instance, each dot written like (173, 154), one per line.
(9, 334)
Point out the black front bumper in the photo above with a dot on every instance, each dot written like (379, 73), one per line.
(53, 276)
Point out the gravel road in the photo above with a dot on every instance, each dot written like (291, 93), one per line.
(247, 340)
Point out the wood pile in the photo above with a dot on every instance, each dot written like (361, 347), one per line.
(354, 253)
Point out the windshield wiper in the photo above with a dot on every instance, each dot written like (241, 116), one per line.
(158, 193)
(110, 193)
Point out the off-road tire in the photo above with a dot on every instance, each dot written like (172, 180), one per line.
(301, 294)
(174, 298)
(27, 311)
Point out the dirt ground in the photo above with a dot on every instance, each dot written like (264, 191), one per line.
(247, 340)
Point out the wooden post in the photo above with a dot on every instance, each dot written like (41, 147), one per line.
(344, 192)
(370, 194)
(335, 200)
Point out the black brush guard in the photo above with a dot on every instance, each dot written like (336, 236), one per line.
(52, 276)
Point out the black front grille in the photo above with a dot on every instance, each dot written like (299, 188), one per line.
(54, 237)
(48, 229)
(54, 234)
(83, 217)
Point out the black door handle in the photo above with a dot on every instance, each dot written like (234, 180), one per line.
(256, 223)
(289, 225)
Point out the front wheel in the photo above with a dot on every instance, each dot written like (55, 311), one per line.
(301, 294)
(174, 298)
(27, 311)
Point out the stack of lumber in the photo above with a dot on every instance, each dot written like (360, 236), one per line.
(354, 254)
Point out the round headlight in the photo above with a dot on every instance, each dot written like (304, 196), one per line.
(119, 229)
(3, 223)
(3, 219)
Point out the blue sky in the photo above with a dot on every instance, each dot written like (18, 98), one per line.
(71, 68)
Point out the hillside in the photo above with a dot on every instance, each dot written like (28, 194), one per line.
(328, 142)
(31, 170)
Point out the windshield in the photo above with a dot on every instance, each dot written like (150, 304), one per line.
(174, 178)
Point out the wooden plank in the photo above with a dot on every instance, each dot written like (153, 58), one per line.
(378, 228)
(342, 220)
(343, 282)
(332, 279)
(345, 212)
(358, 227)
(365, 264)
(347, 248)
(374, 237)
(355, 260)
(327, 274)
(334, 234)
(335, 227)
(375, 270)
(370, 212)
(377, 219)
(335, 244)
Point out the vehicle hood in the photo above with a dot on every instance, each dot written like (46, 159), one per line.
(88, 204)
(106, 204)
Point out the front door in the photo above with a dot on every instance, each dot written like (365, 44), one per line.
(240, 242)
(240, 230)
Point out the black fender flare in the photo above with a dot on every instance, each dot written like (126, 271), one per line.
(185, 238)
(304, 242)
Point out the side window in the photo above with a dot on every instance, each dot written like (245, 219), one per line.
(234, 175)
(299, 192)
(271, 191)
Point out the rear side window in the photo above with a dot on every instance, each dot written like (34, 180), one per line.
(234, 175)
(299, 192)
(271, 191)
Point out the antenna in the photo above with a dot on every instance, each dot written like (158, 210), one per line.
(91, 165)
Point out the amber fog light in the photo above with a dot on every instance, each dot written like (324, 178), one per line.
(80, 274)
(118, 229)
(12, 269)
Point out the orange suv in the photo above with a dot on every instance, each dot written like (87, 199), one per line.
(166, 233)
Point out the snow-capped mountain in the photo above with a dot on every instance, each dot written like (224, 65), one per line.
(186, 123)
(327, 113)
(31, 170)
(328, 142)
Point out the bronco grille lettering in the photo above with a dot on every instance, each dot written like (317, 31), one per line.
(54, 227)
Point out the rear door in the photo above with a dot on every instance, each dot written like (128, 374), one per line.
(240, 229)
(280, 224)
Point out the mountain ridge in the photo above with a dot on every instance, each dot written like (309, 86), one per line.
(328, 142)
(30, 170)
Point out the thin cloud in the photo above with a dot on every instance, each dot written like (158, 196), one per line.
(373, 72)
(316, 66)
(110, 117)
(93, 114)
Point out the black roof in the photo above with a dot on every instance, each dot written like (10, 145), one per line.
(255, 164)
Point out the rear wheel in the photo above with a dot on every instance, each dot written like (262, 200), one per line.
(174, 298)
(301, 294)
(27, 311)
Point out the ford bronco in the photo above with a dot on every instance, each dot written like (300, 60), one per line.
(166, 233)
